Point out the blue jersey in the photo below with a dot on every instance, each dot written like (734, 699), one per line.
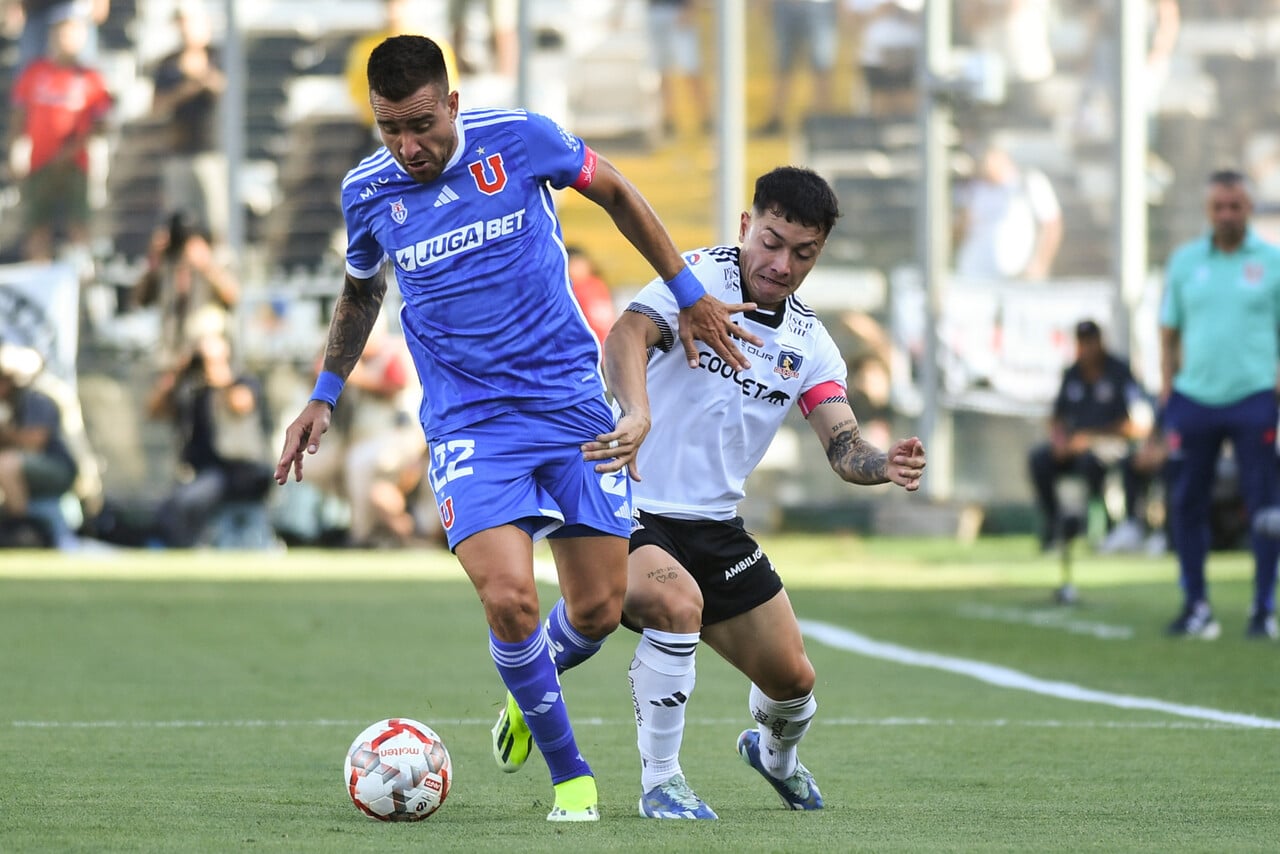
(489, 314)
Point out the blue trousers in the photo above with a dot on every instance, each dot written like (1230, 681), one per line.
(1196, 433)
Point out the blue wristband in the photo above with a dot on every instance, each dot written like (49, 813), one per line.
(686, 288)
(328, 387)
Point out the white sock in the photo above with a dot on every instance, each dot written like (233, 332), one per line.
(661, 677)
(782, 723)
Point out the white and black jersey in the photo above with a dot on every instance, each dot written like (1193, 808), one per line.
(712, 425)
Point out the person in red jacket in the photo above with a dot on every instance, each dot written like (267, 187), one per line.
(591, 292)
(58, 104)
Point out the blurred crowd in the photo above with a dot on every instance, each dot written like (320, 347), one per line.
(117, 170)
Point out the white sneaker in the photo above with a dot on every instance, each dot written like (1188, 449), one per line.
(1157, 544)
(1125, 537)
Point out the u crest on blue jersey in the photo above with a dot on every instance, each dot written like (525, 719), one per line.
(399, 212)
(489, 174)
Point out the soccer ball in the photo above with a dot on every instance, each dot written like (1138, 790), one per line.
(398, 770)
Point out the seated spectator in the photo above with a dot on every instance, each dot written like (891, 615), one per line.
(1142, 469)
(399, 506)
(220, 423)
(1010, 222)
(1090, 429)
(35, 460)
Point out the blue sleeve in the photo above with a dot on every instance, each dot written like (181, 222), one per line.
(364, 255)
(1060, 400)
(555, 153)
(38, 410)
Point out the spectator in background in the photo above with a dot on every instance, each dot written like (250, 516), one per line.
(194, 291)
(392, 504)
(369, 444)
(802, 25)
(35, 460)
(1090, 428)
(591, 292)
(219, 420)
(399, 23)
(1016, 32)
(1094, 118)
(39, 16)
(502, 36)
(1010, 223)
(188, 91)
(890, 34)
(58, 104)
(1142, 468)
(675, 50)
(1219, 336)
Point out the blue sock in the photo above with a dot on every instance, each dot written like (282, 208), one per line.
(530, 675)
(1264, 590)
(569, 647)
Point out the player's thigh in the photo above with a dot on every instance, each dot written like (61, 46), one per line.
(587, 499)
(499, 562)
(766, 645)
(482, 477)
(661, 594)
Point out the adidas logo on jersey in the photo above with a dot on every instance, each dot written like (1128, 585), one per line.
(446, 195)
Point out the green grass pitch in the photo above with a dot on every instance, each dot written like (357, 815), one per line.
(162, 701)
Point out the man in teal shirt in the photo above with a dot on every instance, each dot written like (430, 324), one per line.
(1220, 343)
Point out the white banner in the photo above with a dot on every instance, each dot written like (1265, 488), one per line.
(40, 309)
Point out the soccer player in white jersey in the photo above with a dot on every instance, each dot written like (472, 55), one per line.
(695, 573)
(461, 204)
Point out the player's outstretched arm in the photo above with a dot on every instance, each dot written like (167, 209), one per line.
(354, 314)
(702, 316)
(625, 368)
(858, 461)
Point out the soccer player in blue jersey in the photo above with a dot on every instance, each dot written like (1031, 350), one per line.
(461, 204)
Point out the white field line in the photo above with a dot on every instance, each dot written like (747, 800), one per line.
(849, 641)
(444, 723)
(1045, 618)
(1004, 677)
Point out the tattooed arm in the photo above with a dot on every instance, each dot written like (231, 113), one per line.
(353, 317)
(858, 461)
(354, 314)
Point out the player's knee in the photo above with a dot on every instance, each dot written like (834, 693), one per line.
(512, 614)
(792, 682)
(597, 618)
(664, 609)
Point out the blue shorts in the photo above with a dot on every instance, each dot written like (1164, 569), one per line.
(526, 469)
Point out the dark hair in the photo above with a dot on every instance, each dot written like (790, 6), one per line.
(402, 65)
(182, 225)
(797, 195)
(1088, 330)
(1227, 177)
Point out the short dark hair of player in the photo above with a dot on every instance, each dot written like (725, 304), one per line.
(402, 65)
(797, 195)
(1227, 177)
